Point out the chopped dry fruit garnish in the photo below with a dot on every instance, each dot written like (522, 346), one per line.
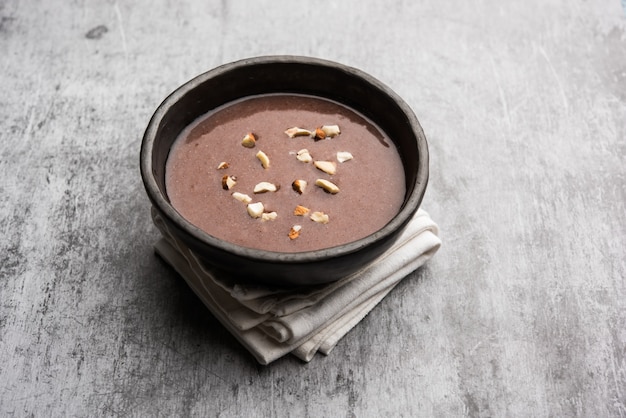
(295, 131)
(255, 209)
(228, 182)
(299, 186)
(242, 197)
(294, 232)
(304, 156)
(264, 187)
(328, 167)
(319, 134)
(300, 210)
(269, 216)
(331, 130)
(265, 160)
(327, 186)
(249, 141)
(320, 217)
(343, 156)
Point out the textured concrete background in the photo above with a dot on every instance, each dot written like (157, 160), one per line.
(521, 313)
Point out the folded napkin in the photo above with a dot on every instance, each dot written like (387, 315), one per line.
(272, 322)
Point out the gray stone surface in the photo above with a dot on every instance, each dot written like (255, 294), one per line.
(521, 313)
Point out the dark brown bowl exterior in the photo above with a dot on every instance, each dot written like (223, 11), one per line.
(284, 74)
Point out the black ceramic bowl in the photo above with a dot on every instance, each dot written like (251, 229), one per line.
(284, 74)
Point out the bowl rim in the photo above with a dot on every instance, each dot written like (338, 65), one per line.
(407, 211)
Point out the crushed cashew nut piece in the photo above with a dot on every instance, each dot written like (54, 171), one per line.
(249, 141)
(299, 185)
(320, 217)
(242, 197)
(265, 160)
(327, 186)
(300, 210)
(328, 167)
(264, 187)
(319, 134)
(331, 130)
(223, 165)
(228, 182)
(295, 131)
(304, 156)
(343, 156)
(294, 232)
(255, 209)
(269, 216)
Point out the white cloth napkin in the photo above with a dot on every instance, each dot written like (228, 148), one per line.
(272, 322)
